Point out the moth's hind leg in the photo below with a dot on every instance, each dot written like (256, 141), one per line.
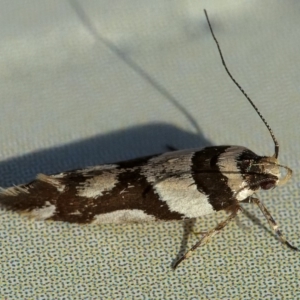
(272, 222)
(209, 234)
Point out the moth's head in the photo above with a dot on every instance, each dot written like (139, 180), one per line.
(265, 172)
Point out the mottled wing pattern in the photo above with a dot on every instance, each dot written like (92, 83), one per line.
(170, 186)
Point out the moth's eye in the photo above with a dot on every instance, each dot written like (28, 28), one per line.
(268, 184)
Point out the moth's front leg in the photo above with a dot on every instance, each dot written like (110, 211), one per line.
(271, 221)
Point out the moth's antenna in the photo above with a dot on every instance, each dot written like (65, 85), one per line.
(240, 88)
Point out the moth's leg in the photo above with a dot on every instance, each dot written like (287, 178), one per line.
(204, 232)
(199, 232)
(272, 223)
(208, 235)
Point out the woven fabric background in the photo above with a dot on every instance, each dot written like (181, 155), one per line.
(90, 82)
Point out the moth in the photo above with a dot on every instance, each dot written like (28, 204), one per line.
(176, 185)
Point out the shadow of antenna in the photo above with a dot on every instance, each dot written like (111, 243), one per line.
(131, 63)
(85, 19)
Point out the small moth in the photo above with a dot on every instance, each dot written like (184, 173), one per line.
(175, 185)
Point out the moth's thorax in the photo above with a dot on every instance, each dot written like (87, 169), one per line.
(248, 172)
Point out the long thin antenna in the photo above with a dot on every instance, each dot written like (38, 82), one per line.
(240, 88)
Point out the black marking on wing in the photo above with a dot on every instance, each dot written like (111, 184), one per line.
(210, 180)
